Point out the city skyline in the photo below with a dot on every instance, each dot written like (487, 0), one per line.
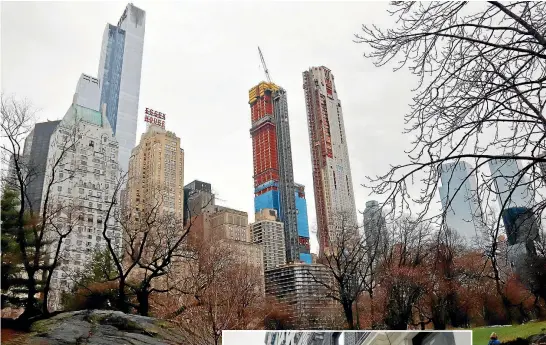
(192, 73)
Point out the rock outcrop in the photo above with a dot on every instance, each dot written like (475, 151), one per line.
(101, 327)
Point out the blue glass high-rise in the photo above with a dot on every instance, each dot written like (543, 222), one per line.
(119, 73)
(459, 200)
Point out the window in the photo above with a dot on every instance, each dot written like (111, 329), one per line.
(90, 204)
(89, 236)
(59, 188)
(61, 175)
(91, 143)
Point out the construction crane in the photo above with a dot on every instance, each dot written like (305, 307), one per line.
(264, 65)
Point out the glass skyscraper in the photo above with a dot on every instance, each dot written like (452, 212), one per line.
(119, 74)
(505, 173)
(459, 201)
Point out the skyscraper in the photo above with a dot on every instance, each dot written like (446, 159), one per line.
(459, 201)
(35, 154)
(119, 74)
(85, 152)
(156, 168)
(273, 171)
(506, 179)
(332, 182)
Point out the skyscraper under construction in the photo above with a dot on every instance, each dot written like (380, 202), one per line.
(274, 186)
(333, 185)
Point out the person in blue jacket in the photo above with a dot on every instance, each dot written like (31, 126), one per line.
(494, 339)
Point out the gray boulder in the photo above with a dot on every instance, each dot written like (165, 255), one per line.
(101, 327)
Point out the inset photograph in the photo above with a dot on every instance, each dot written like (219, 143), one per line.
(347, 338)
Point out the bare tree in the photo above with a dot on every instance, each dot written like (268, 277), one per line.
(219, 291)
(154, 242)
(39, 233)
(348, 264)
(480, 98)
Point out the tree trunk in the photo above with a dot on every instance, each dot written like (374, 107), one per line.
(348, 310)
(143, 302)
(122, 297)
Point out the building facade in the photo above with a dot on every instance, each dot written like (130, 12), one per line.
(459, 202)
(303, 224)
(332, 181)
(297, 289)
(230, 224)
(86, 150)
(35, 153)
(156, 173)
(119, 73)
(505, 173)
(268, 232)
(274, 186)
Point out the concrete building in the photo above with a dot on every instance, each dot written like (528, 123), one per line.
(459, 201)
(230, 224)
(295, 288)
(274, 186)
(268, 232)
(198, 197)
(505, 173)
(156, 172)
(417, 338)
(86, 149)
(119, 73)
(355, 338)
(375, 226)
(332, 181)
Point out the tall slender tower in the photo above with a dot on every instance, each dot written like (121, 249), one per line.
(273, 171)
(119, 74)
(333, 185)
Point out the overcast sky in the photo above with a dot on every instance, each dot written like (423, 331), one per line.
(200, 60)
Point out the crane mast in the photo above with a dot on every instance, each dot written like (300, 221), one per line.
(264, 65)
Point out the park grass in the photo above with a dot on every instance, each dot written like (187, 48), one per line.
(480, 336)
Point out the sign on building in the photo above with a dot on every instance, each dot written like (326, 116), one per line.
(154, 117)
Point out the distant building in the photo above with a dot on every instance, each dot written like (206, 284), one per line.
(35, 153)
(506, 180)
(268, 232)
(303, 224)
(230, 224)
(156, 173)
(120, 68)
(458, 194)
(272, 152)
(86, 151)
(298, 293)
(355, 338)
(375, 226)
(332, 181)
(198, 196)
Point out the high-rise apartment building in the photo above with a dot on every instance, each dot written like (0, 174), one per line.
(510, 190)
(268, 232)
(459, 200)
(273, 172)
(156, 172)
(86, 150)
(332, 181)
(119, 73)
